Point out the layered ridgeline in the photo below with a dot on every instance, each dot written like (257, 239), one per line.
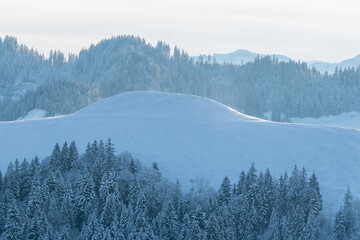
(241, 57)
(286, 89)
(195, 139)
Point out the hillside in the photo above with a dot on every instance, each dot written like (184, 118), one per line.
(193, 137)
(126, 63)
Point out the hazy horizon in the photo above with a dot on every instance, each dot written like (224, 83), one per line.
(305, 30)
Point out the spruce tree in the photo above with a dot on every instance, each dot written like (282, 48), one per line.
(64, 159)
(73, 156)
(55, 158)
(224, 193)
(133, 167)
(12, 228)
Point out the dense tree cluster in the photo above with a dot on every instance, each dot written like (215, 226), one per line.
(100, 195)
(61, 97)
(127, 63)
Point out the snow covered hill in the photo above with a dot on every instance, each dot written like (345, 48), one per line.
(193, 137)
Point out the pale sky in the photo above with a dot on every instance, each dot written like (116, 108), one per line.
(307, 29)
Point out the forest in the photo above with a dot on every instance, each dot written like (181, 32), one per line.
(104, 195)
(29, 80)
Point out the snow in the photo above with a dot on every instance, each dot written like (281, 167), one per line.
(238, 57)
(193, 137)
(34, 114)
(350, 120)
(242, 56)
(330, 67)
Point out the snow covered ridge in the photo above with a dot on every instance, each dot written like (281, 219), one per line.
(193, 137)
(350, 120)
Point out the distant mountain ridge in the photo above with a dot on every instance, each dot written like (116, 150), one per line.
(238, 57)
(330, 67)
(242, 56)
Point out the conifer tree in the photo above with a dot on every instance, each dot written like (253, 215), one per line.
(168, 222)
(108, 214)
(110, 154)
(274, 229)
(224, 193)
(92, 230)
(84, 198)
(64, 159)
(73, 156)
(25, 180)
(12, 226)
(55, 158)
(132, 167)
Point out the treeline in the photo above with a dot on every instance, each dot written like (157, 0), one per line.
(99, 195)
(61, 97)
(127, 63)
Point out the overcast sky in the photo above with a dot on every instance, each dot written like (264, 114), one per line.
(307, 29)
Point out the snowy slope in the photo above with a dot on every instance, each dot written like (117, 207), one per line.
(34, 114)
(194, 137)
(349, 120)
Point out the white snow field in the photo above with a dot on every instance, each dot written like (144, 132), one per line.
(34, 114)
(349, 120)
(193, 137)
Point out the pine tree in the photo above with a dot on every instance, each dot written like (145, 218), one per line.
(64, 159)
(110, 154)
(107, 187)
(108, 214)
(67, 207)
(92, 230)
(25, 180)
(84, 198)
(294, 226)
(312, 226)
(195, 232)
(274, 230)
(12, 227)
(168, 222)
(345, 219)
(240, 187)
(132, 167)
(268, 198)
(34, 167)
(224, 193)
(213, 230)
(36, 222)
(12, 180)
(73, 156)
(340, 232)
(55, 158)
(251, 187)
